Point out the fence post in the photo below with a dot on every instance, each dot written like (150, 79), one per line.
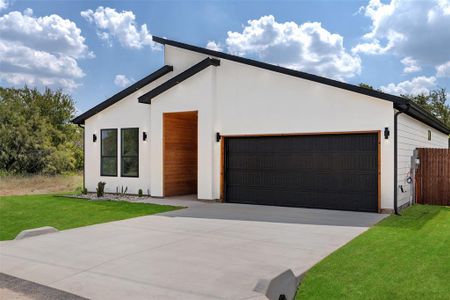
(414, 167)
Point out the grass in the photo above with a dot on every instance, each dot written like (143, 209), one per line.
(24, 212)
(402, 257)
(39, 184)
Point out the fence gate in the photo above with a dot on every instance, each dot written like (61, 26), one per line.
(433, 176)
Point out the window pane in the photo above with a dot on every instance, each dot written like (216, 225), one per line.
(109, 166)
(109, 142)
(130, 166)
(130, 140)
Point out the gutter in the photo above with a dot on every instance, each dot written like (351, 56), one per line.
(84, 155)
(400, 111)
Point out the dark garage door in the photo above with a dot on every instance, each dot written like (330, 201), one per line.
(335, 171)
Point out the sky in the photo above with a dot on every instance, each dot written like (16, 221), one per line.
(94, 49)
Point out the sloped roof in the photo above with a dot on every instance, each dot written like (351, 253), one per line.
(122, 94)
(400, 103)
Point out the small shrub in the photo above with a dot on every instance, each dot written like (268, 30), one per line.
(140, 193)
(84, 191)
(122, 191)
(101, 189)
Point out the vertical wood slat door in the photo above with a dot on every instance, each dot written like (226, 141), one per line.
(433, 177)
(180, 153)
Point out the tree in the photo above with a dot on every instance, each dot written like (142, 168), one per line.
(435, 102)
(36, 135)
(365, 85)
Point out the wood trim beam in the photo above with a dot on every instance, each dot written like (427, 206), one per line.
(298, 133)
(222, 169)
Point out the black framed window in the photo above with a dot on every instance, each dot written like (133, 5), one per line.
(129, 152)
(108, 163)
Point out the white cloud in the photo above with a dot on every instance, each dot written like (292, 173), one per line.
(418, 30)
(49, 33)
(121, 26)
(443, 70)
(307, 47)
(411, 65)
(121, 80)
(4, 4)
(212, 45)
(40, 51)
(415, 86)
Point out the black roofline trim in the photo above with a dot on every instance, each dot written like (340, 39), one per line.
(416, 112)
(147, 97)
(122, 94)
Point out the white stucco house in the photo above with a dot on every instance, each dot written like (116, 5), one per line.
(238, 130)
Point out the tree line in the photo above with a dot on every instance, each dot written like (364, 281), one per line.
(36, 135)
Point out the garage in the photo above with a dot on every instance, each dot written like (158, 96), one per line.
(330, 171)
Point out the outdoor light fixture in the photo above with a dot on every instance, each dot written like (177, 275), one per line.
(94, 137)
(386, 132)
(144, 136)
(218, 136)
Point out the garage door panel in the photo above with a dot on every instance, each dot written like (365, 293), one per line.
(313, 161)
(310, 199)
(325, 171)
(351, 180)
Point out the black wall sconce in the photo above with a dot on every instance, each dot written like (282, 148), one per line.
(94, 137)
(144, 136)
(387, 133)
(218, 137)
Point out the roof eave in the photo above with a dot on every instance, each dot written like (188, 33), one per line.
(122, 94)
(417, 112)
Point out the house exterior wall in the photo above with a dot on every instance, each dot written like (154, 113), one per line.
(125, 113)
(193, 94)
(236, 99)
(413, 134)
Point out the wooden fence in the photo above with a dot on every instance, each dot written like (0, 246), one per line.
(433, 176)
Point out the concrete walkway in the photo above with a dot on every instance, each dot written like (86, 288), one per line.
(207, 251)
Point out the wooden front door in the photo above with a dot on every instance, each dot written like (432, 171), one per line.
(180, 153)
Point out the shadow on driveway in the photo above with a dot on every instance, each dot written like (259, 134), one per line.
(276, 214)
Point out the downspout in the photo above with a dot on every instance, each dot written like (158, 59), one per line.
(396, 157)
(84, 154)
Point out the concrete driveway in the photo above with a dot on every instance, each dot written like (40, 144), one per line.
(207, 251)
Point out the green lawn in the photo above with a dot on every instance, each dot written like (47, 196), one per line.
(24, 212)
(402, 257)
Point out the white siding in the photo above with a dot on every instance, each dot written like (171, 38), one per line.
(413, 134)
